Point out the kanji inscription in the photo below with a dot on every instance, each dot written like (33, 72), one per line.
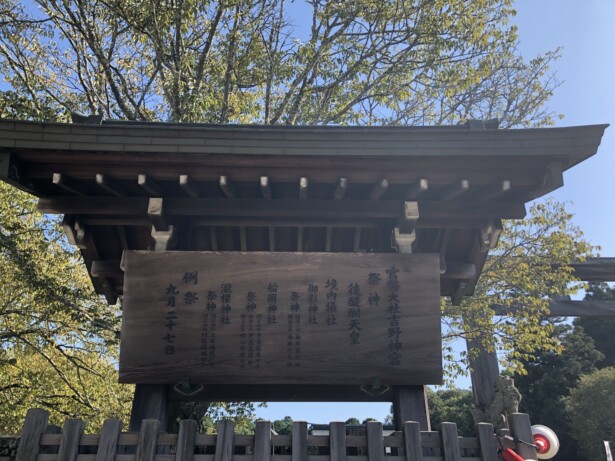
(281, 318)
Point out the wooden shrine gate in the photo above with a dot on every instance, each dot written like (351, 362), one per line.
(422, 203)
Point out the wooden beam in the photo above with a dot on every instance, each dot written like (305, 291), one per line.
(265, 187)
(497, 191)
(149, 402)
(213, 237)
(303, 188)
(459, 293)
(107, 268)
(456, 190)
(568, 308)
(110, 185)
(75, 231)
(149, 185)
(379, 189)
(271, 238)
(453, 213)
(340, 189)
(123, 235)
(417, 189)
(227, 187)
(66, 183)
(190, 187)
(402, 242)
(357, 240)
(595, 270)
(164, 239)
(328, 238)
(243, 239)
(300, 239)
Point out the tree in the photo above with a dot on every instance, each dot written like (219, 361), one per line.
(452, 405)
(284, 426)
(591, 406)
(530, 265)
(549, 379)
(58, 340)
(600, 329)
(244, 61)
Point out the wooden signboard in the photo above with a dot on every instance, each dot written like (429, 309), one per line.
(281, 318)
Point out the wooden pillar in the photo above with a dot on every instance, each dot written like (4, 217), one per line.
(484, 371)
(149, 402)
(410, 404)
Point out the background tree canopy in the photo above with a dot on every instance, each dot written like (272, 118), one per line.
(412, 62)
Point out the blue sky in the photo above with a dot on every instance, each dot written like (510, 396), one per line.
(585, 32)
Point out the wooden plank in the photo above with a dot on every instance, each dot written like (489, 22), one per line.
(146, 447)
(262, 441)
(487, 442)
(71, 434)
(224, 441)
(189, 186)
(456, 270)
(410, 404)
(186, 440)
(375, 444)
(213, 237)
(433, 211)
(300, 441)
(409, 218)
(265, 187)
(149, 185)
(337, 441)
(67, 184)
(110, 185)
(552, 179)
(34, 427)
(109, 437)
(412, 441)
(378, 189)
(568, 308)
(149, 403)
(521, 429)
(356, 245)
(166, 297)
(271, 233)
(227, 187)
(450, 442)
(340, 189)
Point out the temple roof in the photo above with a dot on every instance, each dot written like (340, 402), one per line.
(123, 185)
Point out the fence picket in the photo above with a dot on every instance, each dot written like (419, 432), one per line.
(186, 440)
(33, 428)
(71, 434)
(337, 441)
(148, 436)
(521, 429)
(412, 441)
(224, 441)
(450, 442)
(487, 442)
(375, 444)
(299, 441)
(262, 441)
(109, 437)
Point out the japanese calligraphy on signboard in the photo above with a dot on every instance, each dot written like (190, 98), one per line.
(281, 318)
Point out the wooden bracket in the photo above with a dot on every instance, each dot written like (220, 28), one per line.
(410, 216)
(164, 240)
(417, 189)
(489, 235)
(227, 187)
(10, 173)
(402, 242)
(303, 187)
(67, 184)
(456, 190)
(110, 185)
(379, 189)
(553, 178)
(155, 212)
(75, 231)
(340, 189)
(265, 187)
(150, 185)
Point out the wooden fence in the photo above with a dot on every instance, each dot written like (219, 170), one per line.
(410, 444)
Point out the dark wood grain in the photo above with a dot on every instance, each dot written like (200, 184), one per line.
(33, 428)
(353, 345)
